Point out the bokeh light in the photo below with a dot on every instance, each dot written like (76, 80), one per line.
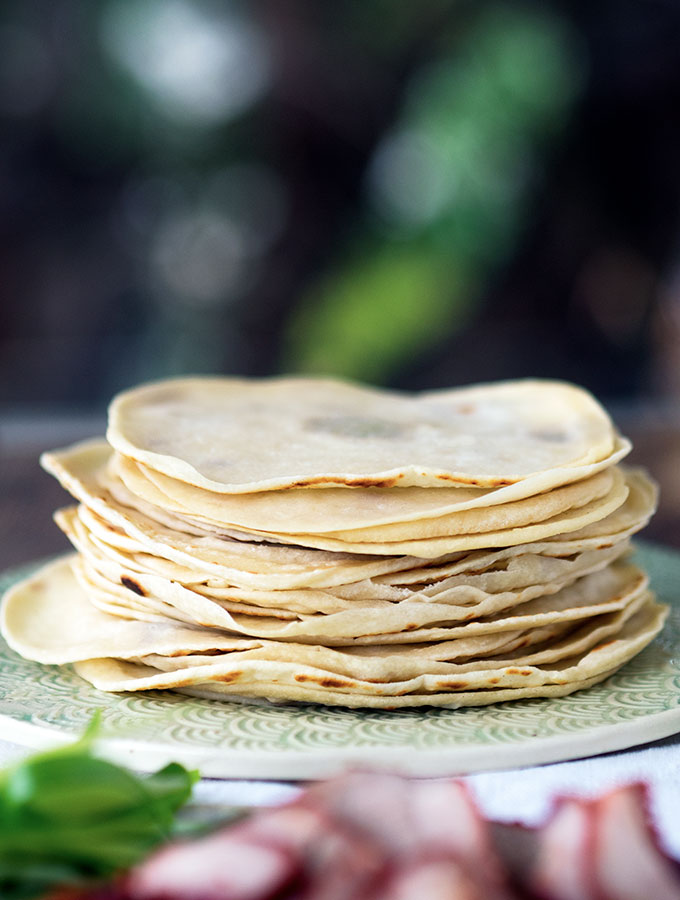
(202, 64)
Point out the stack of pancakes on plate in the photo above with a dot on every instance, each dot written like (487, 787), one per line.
(310, 540)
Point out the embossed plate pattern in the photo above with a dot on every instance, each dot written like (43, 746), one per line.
(42, 705)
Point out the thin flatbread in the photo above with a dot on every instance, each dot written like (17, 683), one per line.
(273, 681)
(317, 432)
(234, 511)
(34, 623)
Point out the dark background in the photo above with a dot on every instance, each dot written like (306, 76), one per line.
(416, 194)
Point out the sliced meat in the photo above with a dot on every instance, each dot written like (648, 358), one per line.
(336, 862)
(380, 837)
(445, 818)
(410, 819)
(517, 846)
(629, 863)
(375, 805)
(224, 866)
(342, 867)
(294, 827)
(433, 879)
(563, 868)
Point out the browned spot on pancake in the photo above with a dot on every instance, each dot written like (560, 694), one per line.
(454, 685)
(322, 480)
(494, 680)
(457, 480)
(605, 644)
(525, 672)
(183, 682)
(411, 626)
(465, 409)
(372, 482)
(230, 676)
(512, 671)
(476, 482)
(132, 585)
(335, 683)
(114, 528)
(326, 682)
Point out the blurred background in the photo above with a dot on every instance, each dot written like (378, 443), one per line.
(417, 195)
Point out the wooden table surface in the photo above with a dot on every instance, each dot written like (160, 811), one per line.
(28, 496)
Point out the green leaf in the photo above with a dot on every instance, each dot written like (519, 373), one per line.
(66, 816)
(89, 788)
(383, 308)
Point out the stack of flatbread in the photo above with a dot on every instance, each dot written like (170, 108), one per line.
(314, 541)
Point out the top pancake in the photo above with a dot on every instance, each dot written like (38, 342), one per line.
(230, 435)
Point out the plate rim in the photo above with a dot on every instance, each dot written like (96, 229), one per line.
(295, 765)
(321, 762)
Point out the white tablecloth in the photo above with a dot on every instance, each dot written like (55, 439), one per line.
(522, 795)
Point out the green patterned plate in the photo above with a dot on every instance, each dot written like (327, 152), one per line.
(42, 705)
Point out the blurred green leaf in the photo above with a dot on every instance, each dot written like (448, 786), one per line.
(450, 186)
(384, 307)
(66, 816)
